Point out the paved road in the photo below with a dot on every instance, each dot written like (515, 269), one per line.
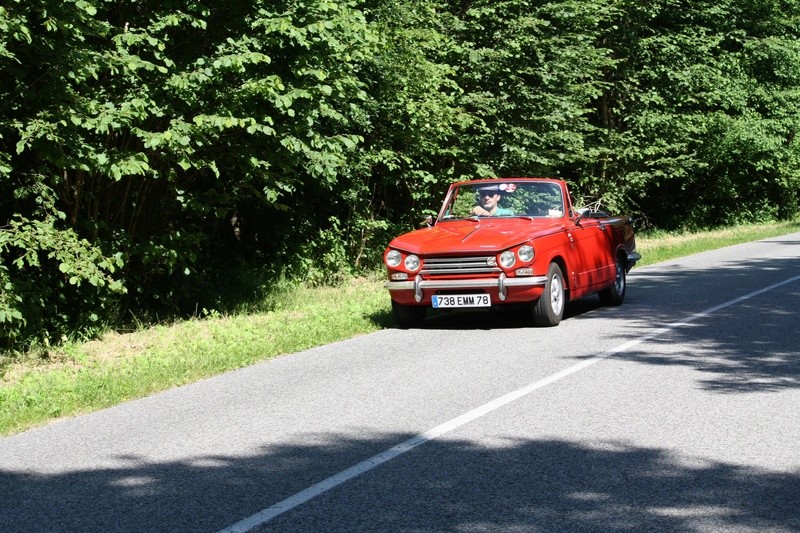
(679, 410)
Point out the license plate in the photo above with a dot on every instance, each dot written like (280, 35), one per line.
(461, 300)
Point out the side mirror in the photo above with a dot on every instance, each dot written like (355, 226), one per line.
(581, 214)
(428, 221)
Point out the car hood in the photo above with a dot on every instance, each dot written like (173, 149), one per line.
(471, 236)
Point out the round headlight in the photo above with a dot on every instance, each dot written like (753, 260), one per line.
(507, 259)
(393, 258)
(412, 263)
(525, 253)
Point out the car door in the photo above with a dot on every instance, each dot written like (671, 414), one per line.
(593, 263)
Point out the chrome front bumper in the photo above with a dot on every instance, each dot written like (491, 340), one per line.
(418, 284)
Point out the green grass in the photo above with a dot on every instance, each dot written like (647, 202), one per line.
(82, 377)
(658, 247)
(79, 378)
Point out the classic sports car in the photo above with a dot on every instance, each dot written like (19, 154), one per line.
(504, 241)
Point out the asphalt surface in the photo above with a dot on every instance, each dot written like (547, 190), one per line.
(679, 410)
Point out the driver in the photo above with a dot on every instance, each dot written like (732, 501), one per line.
(488, 198)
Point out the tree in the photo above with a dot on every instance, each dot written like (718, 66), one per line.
(135, 132)
(687, 115)
(157, 156)
(530, 73)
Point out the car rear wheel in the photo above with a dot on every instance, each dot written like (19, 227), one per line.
(615, 293)
(549, 309)
(408, 316)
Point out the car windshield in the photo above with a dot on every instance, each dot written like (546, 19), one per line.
(504, 199)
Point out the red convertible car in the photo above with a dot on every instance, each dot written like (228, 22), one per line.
(509, 241)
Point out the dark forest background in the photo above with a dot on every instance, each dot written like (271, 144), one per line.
(160, 157)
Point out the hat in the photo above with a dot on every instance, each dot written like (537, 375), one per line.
(501, 188)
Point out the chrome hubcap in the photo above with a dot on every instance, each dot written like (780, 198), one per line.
(556, 295)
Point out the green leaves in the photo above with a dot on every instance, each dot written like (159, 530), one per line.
(32, 243)
(34, 249)
(531, 73)
(297, 137)
(692, 79)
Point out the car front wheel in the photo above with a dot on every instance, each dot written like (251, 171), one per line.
(408, 316)
(549, 309)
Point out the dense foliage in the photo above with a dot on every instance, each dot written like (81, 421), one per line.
(157, 158)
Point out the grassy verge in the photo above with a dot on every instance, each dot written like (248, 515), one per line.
(658, 247)
(78, 378)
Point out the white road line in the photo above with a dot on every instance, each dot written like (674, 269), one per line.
(262, 517)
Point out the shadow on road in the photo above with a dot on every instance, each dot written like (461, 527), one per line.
(516, 485)
(751, 346)
(441, 486)
(748, 346)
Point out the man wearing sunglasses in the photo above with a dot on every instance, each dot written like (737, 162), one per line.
(487, 199)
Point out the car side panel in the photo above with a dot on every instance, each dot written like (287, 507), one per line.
(592, 259)
(560, 247)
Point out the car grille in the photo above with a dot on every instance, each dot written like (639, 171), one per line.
(448, 266)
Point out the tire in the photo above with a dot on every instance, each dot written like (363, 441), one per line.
(408, 316)
(615, 294)
(549, 309)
